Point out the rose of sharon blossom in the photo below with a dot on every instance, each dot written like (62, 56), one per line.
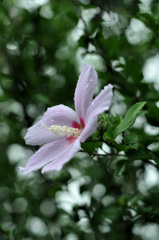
(62, 129)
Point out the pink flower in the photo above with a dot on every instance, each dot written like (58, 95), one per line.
(61, 129)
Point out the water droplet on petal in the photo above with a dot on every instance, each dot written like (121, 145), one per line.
(86, 87)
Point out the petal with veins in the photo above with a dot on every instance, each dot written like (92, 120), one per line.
(58, 115)
(84, 90)
(63, 158)
(45, 155)
(100, 104)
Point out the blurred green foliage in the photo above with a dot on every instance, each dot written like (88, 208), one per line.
(108, 193)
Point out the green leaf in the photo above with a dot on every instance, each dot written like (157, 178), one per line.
(111, 123)
(142, 154)
(153, 114)
(122, 166)
(129, 118)
(90, 146)
(125, 148)
(131, 138)
(112, 212)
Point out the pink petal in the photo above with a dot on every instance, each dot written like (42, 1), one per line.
(66, 156)
(45, 154)
(58, 115)
(100, 104)
(85, 89)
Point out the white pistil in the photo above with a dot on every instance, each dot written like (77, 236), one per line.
(64, 130)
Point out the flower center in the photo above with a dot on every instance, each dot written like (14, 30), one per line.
(64, 130)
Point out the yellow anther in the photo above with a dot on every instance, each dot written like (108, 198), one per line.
(64, 130)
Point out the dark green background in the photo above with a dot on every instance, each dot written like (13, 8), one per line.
(42, 50)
